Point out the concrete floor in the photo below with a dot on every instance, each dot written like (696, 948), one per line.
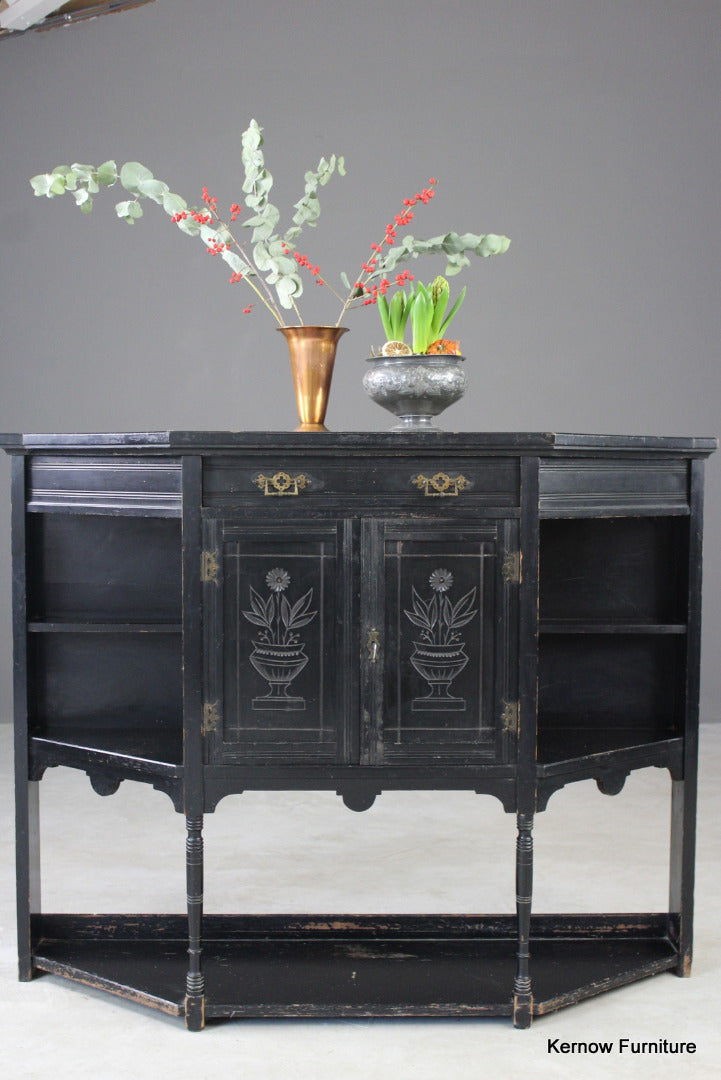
(410, 852)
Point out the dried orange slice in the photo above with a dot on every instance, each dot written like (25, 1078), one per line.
(396, 348)
(445, 346)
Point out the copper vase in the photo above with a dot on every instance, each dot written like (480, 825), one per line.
(312, 355)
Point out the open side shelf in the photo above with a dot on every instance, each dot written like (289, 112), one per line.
(109, 757)
(348, 965)
(143, 751)
(589, 626)
(70, 626)
(561, 749)
(609, 765)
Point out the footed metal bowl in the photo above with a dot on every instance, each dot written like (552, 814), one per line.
(415, 388)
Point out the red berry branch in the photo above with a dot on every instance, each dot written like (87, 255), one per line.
(361, 289)
(374, 264)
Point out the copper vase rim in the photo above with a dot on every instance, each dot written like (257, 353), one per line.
(314, 326)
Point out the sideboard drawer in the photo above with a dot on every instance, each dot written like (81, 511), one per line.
(105, 485)
(389, 481)
(573, 486)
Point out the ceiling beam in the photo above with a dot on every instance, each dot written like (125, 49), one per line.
(22, 14)
(13, 23)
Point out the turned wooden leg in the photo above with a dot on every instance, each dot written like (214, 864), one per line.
(522, 997)
(195, 981)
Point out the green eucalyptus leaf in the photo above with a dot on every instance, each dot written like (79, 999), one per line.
(252, 138)
(83, 172)
(107, 173)
(325, 170)
(287, 288)
(494, 245)
(223, 236)
(285, 265)
(344, 280)
(42, 184)
(208, 234)
(262, 257)
(307, 210)
(153, 189)
(132, 174)
(266, 223)
(270, 258)
(174, 204)
(57, 186)
(129, 210)
(234, 261)
(81, 196)
(87, 206)
(189, 226)
(277, 247)
(456, 263)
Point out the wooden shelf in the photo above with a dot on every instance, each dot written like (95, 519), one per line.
(346, 965)
(131, 748)
(578, 626)
(559, 745)
(74, 626)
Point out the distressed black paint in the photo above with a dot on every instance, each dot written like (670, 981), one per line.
(503, 614)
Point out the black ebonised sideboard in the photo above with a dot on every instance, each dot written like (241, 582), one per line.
(214, 612)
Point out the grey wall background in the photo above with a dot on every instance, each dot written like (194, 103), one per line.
(588, 132)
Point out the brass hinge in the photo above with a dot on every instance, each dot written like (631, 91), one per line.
(211, 717)
(511, 569)
(209, 566)
(510, 717)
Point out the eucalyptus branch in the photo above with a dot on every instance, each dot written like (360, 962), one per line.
(271, 254)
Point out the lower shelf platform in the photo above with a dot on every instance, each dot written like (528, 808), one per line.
(346, 965)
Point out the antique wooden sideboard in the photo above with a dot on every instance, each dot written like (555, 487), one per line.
(215, 612)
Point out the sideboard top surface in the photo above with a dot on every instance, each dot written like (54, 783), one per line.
(354, 441)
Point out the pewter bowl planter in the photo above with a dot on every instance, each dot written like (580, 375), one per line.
(415, 388)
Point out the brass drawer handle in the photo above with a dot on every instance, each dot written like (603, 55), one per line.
(441, 484)
(282, 483)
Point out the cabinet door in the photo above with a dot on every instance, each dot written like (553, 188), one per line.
(275, 641)
(441, 628)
